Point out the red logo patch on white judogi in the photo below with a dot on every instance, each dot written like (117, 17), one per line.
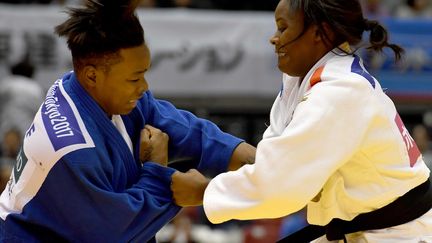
(411, 146)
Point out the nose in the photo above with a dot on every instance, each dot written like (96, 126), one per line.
(143, 86)
(274, 40)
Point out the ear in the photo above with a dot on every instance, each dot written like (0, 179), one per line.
(91, 75)
(324, 34)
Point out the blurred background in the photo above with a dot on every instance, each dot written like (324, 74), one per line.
(211, 57)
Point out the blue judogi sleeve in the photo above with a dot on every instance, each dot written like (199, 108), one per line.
(190, 136)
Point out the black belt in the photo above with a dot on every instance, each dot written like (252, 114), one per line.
(406, 208)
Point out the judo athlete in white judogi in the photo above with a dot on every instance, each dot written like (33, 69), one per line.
(363, 159)
(336, 143)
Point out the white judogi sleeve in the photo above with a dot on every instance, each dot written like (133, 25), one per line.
(291, 169)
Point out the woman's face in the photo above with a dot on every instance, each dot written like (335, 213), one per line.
(296, 51)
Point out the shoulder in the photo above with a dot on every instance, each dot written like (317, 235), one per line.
(57, 128)
(342, 80)
(342, 75)
(349, 68)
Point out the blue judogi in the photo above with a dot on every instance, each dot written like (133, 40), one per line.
(76, 179)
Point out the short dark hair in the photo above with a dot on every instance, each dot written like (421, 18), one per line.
(97, 31)
(345, 18)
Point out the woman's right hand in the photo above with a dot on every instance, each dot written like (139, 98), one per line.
(154, 145)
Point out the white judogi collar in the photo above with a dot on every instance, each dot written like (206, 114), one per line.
(118, 123)
(292, 93)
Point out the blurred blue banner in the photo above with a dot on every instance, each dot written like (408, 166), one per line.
(411, 78)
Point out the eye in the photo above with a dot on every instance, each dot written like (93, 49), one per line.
(136, 79)
(281, 30)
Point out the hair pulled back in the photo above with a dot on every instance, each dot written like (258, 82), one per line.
(345, 19)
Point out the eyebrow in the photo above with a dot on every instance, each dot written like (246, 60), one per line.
(280, 19)
(143, 71)
(140, 71)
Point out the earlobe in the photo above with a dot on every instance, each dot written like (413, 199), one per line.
(317, 33)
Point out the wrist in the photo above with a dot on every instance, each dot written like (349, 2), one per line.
(202, 186)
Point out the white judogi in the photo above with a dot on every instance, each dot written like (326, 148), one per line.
(336, 144)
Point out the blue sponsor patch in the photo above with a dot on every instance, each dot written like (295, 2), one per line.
(59, 120)
(358, 69)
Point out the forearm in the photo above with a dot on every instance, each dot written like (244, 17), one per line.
(188, 188)
(243, 154)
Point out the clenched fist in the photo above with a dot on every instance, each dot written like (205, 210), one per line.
(154, 145)
(188, 188)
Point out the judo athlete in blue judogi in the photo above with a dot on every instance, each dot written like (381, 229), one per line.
(81, 175)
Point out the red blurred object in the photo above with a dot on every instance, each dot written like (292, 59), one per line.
(262, 231)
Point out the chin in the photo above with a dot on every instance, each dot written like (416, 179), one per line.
(129, 110)
(283, 65)
(125, 112)
(284, 69)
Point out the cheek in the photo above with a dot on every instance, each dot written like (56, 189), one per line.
(120, 98)
(124, 95)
